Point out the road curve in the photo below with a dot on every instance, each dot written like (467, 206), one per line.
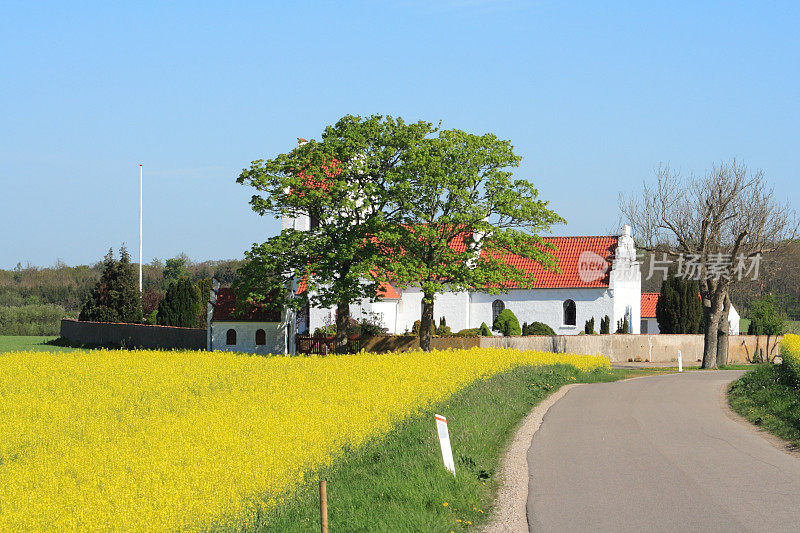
(657, 454)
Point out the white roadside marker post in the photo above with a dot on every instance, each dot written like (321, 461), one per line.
(680, 361)
(444, 441)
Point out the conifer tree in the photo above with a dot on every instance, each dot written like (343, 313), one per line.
(679, 309)
(180, 306)
(116, 297)
(605, 325)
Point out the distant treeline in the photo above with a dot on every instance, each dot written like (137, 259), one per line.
(33, 300)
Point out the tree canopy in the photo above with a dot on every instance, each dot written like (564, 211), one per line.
(348, 184)
(462, 214)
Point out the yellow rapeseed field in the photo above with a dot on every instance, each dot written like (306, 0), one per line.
(146, 440)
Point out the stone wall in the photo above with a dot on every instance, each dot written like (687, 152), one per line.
(621, 348)
(133, 335)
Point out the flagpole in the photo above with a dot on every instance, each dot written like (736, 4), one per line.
(140, 227)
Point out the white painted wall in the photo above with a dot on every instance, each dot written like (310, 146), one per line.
(246, 337)
(652, 326)
(547, 306)
(733, 321)
(453, 306)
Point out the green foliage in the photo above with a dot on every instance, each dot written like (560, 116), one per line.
(605, 325)
(679, 309)
(589, 327)
(507, 323)
(484, 330)
(766, 317)
(368, 326)
(349, 183)
(538, 328)
(407, 464)
(69, 286)
(462, 213)
(790, 355)
(469, 332)
(765, 398)
(174, 270)
(180, 306)
(31, 320)
(623, 326)
(203, 288)
(116, 297)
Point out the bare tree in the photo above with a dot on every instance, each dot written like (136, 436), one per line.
(716, 226)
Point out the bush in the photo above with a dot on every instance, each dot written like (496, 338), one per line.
(484, 330)
(507, 323)
(472, 332)
(539, 328)
(790, 353)
(605, 325)
(623, 326)
(589, 327)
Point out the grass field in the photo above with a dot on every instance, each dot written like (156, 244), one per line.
(9, 343)
(143, 440)
(398, 483)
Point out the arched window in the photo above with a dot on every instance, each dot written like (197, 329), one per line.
(230, 337)
(569, 313)
(497, 307)
(261, 337)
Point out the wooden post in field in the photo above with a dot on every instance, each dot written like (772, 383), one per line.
(323, 506)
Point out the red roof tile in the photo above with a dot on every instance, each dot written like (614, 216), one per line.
(574, 256)
(649, 301)
(385, 290)
(225, 310)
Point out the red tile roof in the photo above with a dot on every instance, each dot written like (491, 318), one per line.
(574, 257)
(385, 290)
(649, 301)
(225, 310)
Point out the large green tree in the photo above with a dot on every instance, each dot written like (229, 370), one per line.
(679, 308)
(116, 297)
(463, 213)
(348, 183)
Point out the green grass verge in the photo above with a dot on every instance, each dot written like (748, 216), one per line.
(763, 398)
(398, 482)
(13, 343)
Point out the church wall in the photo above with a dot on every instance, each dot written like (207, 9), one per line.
(246, 337)
(547, 306)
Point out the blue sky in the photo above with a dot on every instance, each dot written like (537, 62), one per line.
(592, 95)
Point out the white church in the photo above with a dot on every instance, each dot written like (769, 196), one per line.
(599, 277)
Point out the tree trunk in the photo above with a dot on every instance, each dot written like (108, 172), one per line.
(723, 332)
(342, 324)
(426, 322)
(710, 342)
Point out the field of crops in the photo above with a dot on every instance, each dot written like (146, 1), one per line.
(140, 440)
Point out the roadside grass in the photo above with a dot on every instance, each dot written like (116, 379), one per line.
(398, 483)
(763, 398)
(21, 343)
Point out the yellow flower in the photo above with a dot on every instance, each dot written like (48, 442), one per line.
(445, 504)
(156, 440)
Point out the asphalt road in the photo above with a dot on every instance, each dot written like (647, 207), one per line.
(657, 454)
